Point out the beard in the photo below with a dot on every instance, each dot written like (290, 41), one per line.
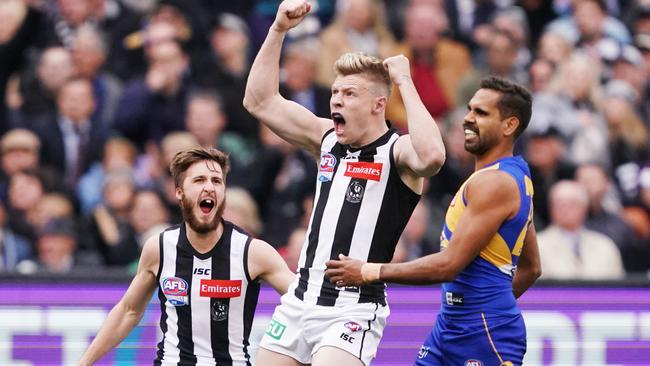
(481, 146)
(201, 227)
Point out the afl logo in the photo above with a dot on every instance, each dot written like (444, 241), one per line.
(353, 326)
(174, 286)
(473, 363)
(327, 163)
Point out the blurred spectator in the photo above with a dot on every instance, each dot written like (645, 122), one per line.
(572, 106)
(74, 139)
(605, 216)
(119, 154)
(20, 149)
(284, 176)
(567, 249)
(107, 227)
(14, 248)
(26, 189)
(21, 29)
(512, 20)
(154, 106)
(206, 121)
(437, 62)
(642, 42)
(468, 19)
(38, 92)
(589, 24)
(230, 47)
(628, 135)
(554, 47)
(541, 73)
(89, 51)
(149, 215)
(359, 26)
(116, 21)
(545, 153)
(299, 72)
(241, 210)
(72, 15)
(416, 240)
(57, 252)
(500, 50)
(538, 14)
(51, 206)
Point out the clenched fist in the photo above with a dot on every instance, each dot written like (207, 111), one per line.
(290, 13)
(398, 69)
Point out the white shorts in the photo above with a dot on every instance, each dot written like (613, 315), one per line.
(299, 330)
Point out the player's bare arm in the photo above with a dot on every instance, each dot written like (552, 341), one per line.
(492, 197)
(529, 267)
(289, 120)
(264, 262)
(128, 312)
(421, 153)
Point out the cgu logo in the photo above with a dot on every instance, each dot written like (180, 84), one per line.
(174, 286)
(275, 329)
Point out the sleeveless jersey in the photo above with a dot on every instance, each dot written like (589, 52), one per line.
(485, 285)
(207, 300)
(361, 207)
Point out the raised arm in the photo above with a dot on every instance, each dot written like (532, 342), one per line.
(264, 262)
(529, 267)
(287, 119)
(128, 312)
(421, 152)
(492, 198)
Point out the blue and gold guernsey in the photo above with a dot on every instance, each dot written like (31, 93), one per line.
(485, 285)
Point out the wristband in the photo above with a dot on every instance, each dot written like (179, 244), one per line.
(370, 272)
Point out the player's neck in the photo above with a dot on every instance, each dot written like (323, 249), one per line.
(371, 135)
(203, 243)
(492, 155)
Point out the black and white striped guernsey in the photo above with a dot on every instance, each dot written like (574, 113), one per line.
(207, 300)
(361, 207)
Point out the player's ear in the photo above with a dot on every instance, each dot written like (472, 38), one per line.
(510, 126)
(179, 193)
(379, 105)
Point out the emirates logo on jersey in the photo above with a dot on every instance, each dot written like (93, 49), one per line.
(364, 170)
(222, 289)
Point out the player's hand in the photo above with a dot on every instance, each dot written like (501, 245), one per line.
(398, 68)
(290, 13)
(345, 271)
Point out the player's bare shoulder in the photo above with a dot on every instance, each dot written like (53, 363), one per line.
(150, 256)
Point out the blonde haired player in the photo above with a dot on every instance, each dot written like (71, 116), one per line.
(369, 181)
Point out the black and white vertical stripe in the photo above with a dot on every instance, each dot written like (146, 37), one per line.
(366, 230)
(192, 334)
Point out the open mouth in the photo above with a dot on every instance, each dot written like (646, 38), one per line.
(206, 205)
(339, 122)
(469, 131)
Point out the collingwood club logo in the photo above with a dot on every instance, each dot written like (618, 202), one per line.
(354, 193)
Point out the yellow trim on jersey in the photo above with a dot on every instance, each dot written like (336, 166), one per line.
(487, 331)
(497, 252)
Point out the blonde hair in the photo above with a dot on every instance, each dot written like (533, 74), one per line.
(354, 63)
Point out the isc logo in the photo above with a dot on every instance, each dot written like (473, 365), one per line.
(202, 271)
(174, 286)
(347, 338)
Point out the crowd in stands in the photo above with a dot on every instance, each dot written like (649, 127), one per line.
(96, 97)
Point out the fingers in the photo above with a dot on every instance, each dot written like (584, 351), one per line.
(298, 9)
